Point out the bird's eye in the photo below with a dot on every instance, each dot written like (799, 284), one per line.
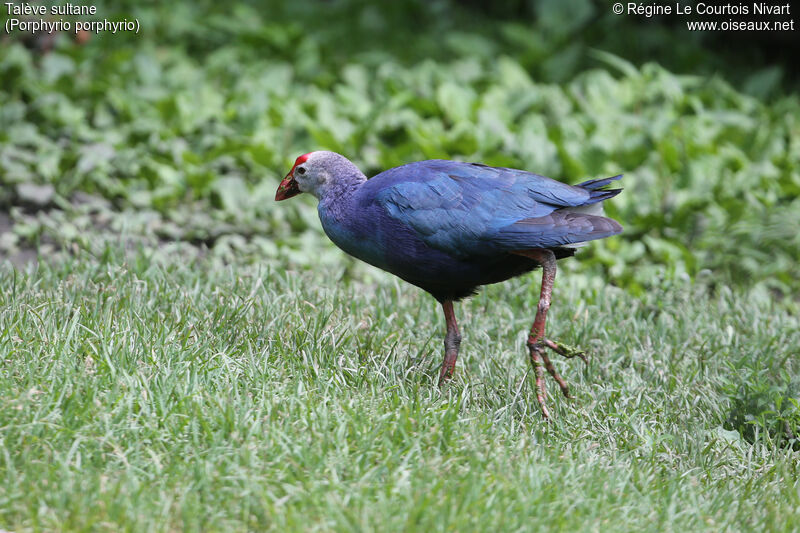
(301, 170)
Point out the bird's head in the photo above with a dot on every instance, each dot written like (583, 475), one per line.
(317, 173)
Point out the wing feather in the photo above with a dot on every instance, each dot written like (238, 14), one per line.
(466, 209)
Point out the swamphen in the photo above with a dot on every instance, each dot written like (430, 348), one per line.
(449, 227)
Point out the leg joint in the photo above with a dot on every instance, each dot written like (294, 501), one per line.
(452, 341)
(544, 304)
(535, 343)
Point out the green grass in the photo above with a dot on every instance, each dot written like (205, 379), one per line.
(155, 394)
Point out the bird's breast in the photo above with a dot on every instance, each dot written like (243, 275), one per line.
(351, 234)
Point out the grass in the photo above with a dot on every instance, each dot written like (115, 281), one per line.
(150, 393)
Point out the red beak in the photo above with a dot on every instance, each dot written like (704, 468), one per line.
(287, 188)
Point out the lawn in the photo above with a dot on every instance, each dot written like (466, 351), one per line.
(144, 393)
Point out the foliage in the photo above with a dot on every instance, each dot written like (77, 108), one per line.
(194, 125)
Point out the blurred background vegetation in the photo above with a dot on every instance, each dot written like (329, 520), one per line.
(176, 137)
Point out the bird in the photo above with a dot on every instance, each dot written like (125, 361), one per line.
(449, 227)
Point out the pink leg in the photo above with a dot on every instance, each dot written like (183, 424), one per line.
(452, 341)
(536, 339)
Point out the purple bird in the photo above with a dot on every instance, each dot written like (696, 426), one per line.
(450, 227)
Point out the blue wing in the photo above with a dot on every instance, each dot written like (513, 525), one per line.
(469, 209)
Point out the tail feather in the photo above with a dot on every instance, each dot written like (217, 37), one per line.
(596, 184)
(596, 191)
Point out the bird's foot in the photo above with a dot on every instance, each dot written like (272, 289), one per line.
(542, 362)
(448, 368)
(537, 359)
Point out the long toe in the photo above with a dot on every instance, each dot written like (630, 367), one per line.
(566, 350)
(537, 359)
(556, 376)
(448, 369)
